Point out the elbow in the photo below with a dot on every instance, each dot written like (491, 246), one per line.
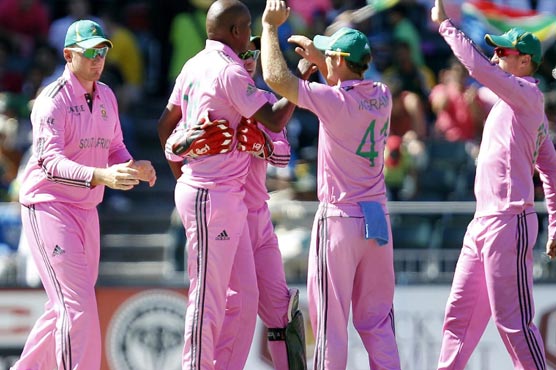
(162, 126)
(271, 82)
(277, 123)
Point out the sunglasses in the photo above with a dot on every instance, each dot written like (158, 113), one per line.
(331, 53)
(92, 53)
(504, 52)
(250, 54)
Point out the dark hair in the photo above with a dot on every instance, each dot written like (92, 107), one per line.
(359, 68)
(535, 66)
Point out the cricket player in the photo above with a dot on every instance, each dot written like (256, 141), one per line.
(278, 305)
(351, 256)
(78, 149)
(494, 273)
(210, 191)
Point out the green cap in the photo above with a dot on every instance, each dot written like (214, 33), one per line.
(346, 40)
(520, 40)
(85, 34)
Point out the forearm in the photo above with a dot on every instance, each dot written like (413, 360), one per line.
(65, 171)
(166, 125)
(547, 174)
(275, 70)
(167, 122)
(164, 132)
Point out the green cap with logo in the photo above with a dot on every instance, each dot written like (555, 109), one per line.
(85, 34)
(520, 40)
(346, 40)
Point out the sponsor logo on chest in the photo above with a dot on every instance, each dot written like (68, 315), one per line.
(76, 109)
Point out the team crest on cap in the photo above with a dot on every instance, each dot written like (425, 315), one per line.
(93, 31)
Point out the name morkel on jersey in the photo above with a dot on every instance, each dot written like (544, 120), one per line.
(94, 142)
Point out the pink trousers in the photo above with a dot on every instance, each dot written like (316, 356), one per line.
(65, 245)
(493, 278)
(347, 269)
(273, 297)
(218, 254)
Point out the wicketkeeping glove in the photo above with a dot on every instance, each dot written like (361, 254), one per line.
(253, 140)
(205, 138)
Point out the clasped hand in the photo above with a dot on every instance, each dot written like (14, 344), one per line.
(124, 176)
(275, 13)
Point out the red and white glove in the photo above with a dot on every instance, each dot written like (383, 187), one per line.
(253, 140)
(205, 138)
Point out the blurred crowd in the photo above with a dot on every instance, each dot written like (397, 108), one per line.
(438, 110)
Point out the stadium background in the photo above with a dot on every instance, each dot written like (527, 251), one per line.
(142, 287)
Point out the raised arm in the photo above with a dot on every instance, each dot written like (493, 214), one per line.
(275, 70)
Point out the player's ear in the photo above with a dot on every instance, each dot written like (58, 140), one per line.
(234, 30)
(67, 55)
(526, 63)
(526, 60)
(339, 61)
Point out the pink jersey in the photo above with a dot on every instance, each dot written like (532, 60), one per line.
(216, 82)
(69, 142)
(515, 137)
(350, 152)
(256, 193)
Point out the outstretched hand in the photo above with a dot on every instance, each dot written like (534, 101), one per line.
(275, 13)
(306, 49)
(438, 14)
(305, 68)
